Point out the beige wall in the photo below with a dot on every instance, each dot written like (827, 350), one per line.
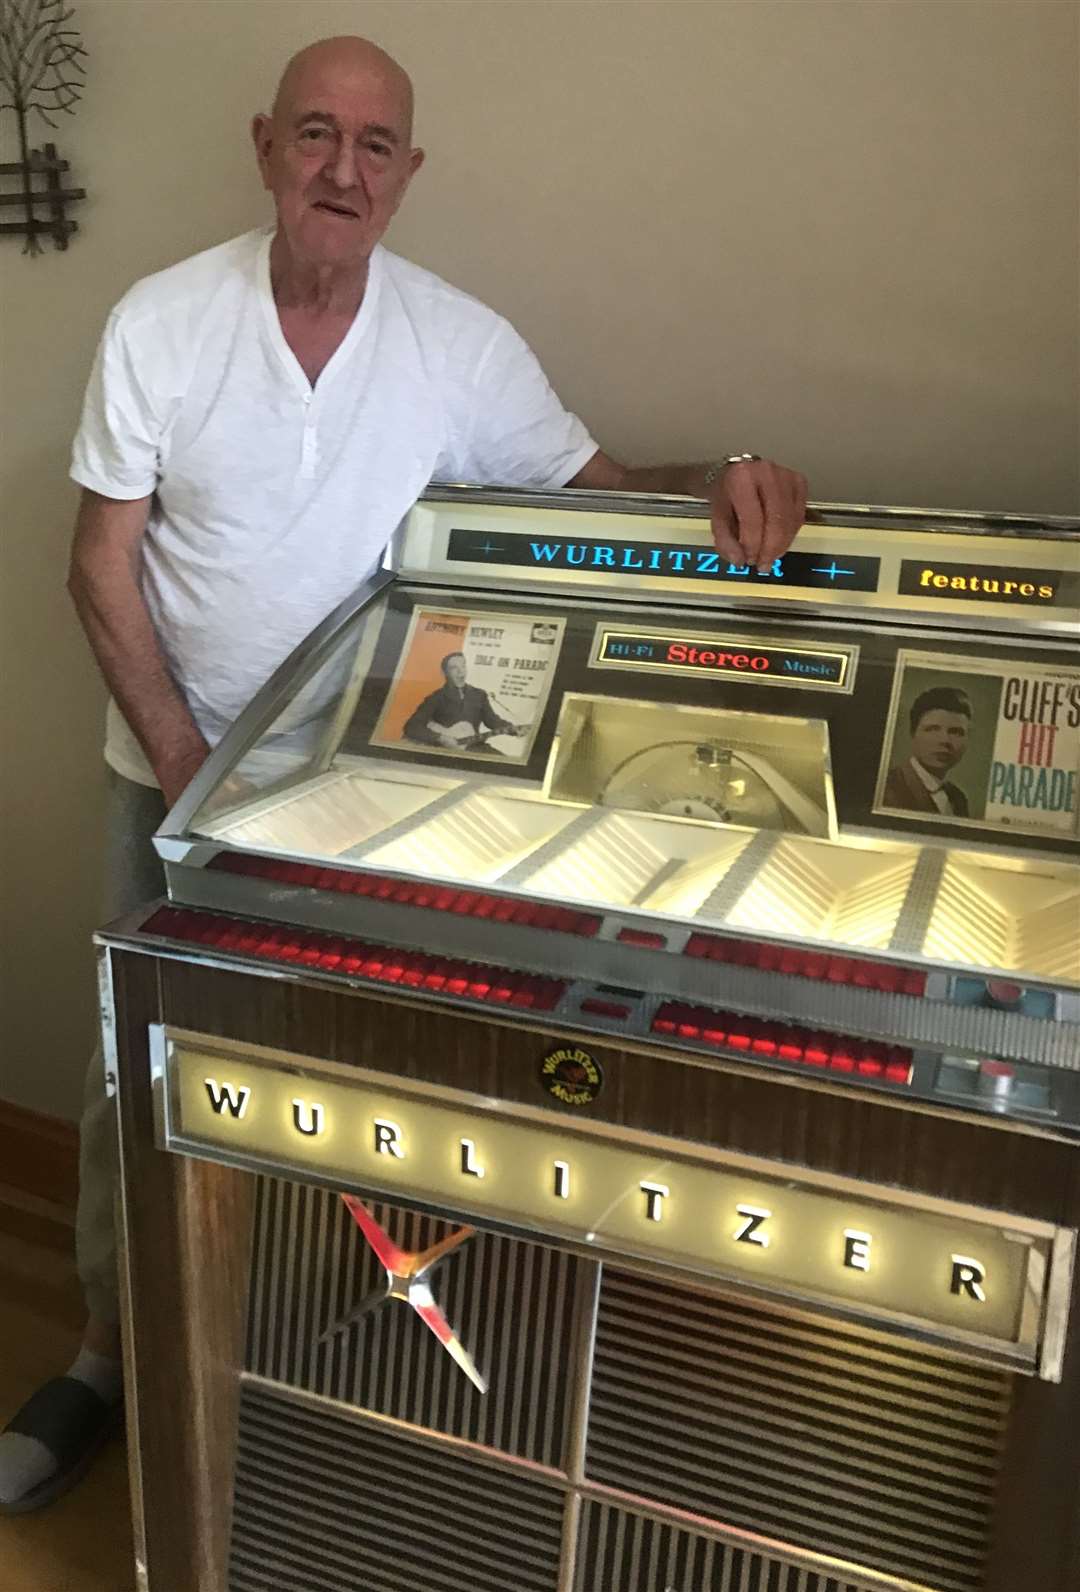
(840, 231)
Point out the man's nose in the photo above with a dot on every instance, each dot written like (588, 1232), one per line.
(343, 167)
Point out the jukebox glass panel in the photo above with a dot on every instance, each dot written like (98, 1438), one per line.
(738, 769)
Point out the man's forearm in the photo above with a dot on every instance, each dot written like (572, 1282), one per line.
(114, 615)
(687, 480)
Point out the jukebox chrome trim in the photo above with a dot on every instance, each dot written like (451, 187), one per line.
(964, 522)
(1058, 1300)
(173, 840)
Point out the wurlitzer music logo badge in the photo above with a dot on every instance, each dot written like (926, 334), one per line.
(572, 1075)
(407, 1273)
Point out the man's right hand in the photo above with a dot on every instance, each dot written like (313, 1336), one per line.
(176, 773)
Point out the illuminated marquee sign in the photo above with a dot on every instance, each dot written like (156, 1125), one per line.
(954, 1274)
(988, 583)
(661, 561)
(732, 656)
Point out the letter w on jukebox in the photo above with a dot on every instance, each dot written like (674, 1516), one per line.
(600, 1103)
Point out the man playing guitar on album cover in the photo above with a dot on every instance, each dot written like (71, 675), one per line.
(458, 716)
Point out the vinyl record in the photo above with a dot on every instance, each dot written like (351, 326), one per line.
(693, 779)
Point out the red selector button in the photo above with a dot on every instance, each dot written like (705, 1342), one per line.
(644, 937)
(601, 1008)
(1006, 995)
(996, 1080)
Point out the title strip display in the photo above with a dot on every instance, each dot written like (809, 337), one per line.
(720, 653)
(655, 560)
(954, 1274)
(942, 567)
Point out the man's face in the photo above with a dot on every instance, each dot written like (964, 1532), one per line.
(455, 671)
(336, 157)
(939, 740)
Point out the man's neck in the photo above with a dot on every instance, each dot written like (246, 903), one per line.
(317, 290)
(930, 780)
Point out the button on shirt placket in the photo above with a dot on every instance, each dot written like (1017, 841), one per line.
(309, 448)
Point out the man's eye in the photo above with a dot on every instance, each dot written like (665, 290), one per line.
(311, 135)
(382, 150)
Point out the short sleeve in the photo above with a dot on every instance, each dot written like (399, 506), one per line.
(513, 430)
(117, 447)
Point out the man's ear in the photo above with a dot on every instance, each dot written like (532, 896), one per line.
(261, 137)
(416, 160)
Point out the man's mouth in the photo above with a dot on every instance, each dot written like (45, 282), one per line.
(330, 207)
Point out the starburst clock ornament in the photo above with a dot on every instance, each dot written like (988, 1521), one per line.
(41, 70)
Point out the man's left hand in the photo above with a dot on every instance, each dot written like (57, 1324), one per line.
(758, 508)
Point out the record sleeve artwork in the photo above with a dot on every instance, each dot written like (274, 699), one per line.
(979, 743)
(471, 684)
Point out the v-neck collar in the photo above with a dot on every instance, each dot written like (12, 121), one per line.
(272, 321)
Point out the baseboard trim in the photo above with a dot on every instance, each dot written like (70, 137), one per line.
(39, 1155)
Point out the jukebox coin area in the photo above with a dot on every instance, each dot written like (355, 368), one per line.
(635, 1434)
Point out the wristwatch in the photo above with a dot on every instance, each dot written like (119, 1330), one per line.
(717, 468)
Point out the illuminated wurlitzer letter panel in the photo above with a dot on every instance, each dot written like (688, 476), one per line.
(601, 1102)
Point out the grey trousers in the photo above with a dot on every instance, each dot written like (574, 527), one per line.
(132, 875)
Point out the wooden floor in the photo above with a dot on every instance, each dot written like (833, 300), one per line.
(82, 1543)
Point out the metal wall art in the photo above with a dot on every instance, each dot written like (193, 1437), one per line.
(41, 69)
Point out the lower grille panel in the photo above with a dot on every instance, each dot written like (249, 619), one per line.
(327, 1504)
(369, 1463)
(843, 1443)
(623, 1552)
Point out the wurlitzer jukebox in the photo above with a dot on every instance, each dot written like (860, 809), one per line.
(601, 1104)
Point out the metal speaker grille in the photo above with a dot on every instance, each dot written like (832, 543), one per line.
(512, 1304)
(882, 1456)
(623, 1552)
(324, 1503)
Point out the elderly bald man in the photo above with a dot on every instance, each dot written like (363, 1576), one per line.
(258, 420)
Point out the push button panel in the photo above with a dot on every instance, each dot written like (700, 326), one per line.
(1011, 1087)
(1003, 995)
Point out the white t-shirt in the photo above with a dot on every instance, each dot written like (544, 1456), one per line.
(274, 500)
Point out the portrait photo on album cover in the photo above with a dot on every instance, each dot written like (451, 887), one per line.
(470, 684)
(939, 742)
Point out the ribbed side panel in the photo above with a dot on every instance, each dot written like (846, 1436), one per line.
(326, 1504)
(622, 1552)
(880, 1455)
(512, 1304)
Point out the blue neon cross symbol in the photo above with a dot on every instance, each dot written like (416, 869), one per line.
(832, 570)
(488, 547)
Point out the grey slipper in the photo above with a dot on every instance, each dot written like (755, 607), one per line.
(74, 1423)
